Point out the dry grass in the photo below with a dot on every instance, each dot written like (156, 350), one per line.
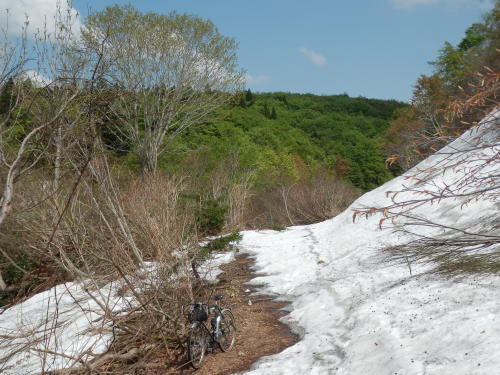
(305, 202)
(451, 255)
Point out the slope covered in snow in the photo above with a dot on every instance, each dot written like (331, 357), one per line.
(359, 315)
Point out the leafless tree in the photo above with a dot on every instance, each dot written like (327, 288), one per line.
(172, 70)
(56, 94)
(471, 166)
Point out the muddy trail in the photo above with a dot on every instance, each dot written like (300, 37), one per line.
(260, 333)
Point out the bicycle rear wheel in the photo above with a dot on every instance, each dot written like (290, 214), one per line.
(197, 345)
(228, 330)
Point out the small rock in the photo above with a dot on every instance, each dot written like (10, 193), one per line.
(250, 303)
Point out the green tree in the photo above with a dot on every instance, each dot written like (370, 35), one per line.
(474, 35)
(249, 96)
(265, 110)
(173, 70)
(273, 115)
(242, 103)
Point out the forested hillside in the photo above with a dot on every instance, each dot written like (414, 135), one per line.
(295, 134)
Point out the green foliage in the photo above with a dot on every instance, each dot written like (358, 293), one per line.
(337, 132)
(224, 242)
(474, 35)
(219, 244)
(278, 169)
(273, 115)
(6, 97)
(265, 110)
(456, 65)
(451, 65)
(212, 216)
(278, 228)
(458, 71)
(12, 274)
(242, 103)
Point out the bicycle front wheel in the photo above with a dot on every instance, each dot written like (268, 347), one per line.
(197, 345)
(228, 330)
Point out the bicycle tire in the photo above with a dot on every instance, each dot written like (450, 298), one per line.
(197, 345)
(228, 330)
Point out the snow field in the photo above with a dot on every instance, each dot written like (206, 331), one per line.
(358, 315)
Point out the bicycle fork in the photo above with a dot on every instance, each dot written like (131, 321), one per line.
(215, 325)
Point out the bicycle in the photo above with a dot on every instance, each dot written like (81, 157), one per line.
(222, 329)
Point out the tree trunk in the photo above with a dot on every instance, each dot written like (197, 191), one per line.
(57, 161)
(284, 195)
(6, 199)
(3, 286)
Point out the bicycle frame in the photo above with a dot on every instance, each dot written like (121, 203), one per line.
(214, 330)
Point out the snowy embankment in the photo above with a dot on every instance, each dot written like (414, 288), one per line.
(63, 326)
(358, 315)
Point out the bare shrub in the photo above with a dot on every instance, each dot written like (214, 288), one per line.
(471, 169)
(129, 242)
(309, 200)
(160, 219)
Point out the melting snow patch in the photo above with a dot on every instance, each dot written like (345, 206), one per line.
(358, 315)
(58, 328)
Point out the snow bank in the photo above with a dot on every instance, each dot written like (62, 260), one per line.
(358, 315)
(60, 327)
(53, 328)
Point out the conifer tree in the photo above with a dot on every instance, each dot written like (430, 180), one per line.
(273, 116)
(249, 96)
(243, 102)
(266, 111)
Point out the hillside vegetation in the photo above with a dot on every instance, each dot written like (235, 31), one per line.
(338, 133)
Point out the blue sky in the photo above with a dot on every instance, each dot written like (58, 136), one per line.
(373, 48)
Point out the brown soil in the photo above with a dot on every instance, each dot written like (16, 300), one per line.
(259, 331)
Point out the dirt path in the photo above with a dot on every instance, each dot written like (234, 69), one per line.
(259, 331)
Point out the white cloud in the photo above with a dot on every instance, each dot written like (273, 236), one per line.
(36, 78)
(256, 80)
(313, 57)
(410, 4)
(40, 14)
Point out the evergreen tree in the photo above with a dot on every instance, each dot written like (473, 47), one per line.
(243, 102)
(249, 96)
(266, 111)
(273, 115)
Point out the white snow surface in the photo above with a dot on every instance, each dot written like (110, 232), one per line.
(56, 326)
(356, 315)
